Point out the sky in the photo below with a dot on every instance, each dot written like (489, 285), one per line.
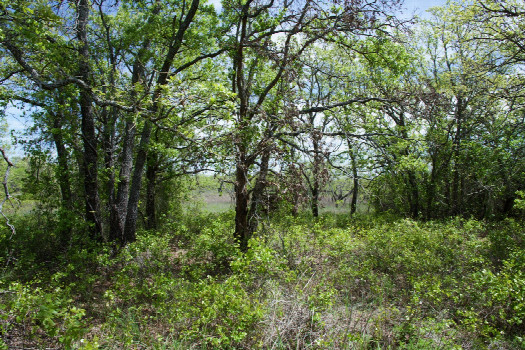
(420, 6)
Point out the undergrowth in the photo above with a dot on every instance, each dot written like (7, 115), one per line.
(330, 283)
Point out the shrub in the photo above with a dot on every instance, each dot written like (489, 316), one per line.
(44, 316)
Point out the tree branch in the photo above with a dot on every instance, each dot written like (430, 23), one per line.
(342, 104)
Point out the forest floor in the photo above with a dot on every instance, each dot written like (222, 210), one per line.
(334, 282)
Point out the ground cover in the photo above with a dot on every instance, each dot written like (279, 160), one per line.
(371, 282)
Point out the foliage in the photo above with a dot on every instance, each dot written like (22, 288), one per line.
(331, 282)
(137, 107)
(38, 313)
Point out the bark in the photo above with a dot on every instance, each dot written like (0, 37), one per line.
(258, 193)
(63, 175)
(413, 190)
(248, 107)
(241, 169)
(456, 201)
(109, 117)
(414, 194)
(119, 208)
(431, 193)
(353, 202)
(295, 208)
(151, 182)
(118, 211)
(315, 198)
(508, 204)
(314, 188)
(130, 225)
(241, 234)
(92, 199)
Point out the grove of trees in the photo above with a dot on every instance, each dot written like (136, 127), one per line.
(126, 93)
(423, 117)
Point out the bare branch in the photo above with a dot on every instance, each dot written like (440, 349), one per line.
(342, 104)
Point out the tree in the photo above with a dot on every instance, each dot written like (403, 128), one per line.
(465, 74)
(124, 65)
(269, 37)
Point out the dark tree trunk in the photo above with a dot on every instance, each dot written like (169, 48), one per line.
(63, 177)
(118, 211)
(151, 184)
(257, 194)
(414, 194)
(315, 199)
(295, 208)
(92, 199)
(508, 204)
(120, 205)
(241, 234)
(355, 190)
(130, 225)
(431, 194)
(413, 190)
(109, 118)
(316, 173)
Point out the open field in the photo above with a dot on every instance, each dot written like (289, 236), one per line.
(212, 202)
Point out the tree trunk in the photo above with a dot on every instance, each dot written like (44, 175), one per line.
(151, 183)
(431, 193)
(355, 190)
(456, 201)
(414, 194)
(120, 205)
(413, 190)
(257, 193)
(118, 211)
(92, 199)
(315, 198)
(315, 186)
(130, 225)
(109, 118)
(63, 177)
(242, 197)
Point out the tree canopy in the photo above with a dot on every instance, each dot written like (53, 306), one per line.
(275, 96)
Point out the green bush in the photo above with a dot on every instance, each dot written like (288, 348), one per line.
(222, 313)
(44, 241)
(36, 311)
(320, 283)
(209, 249)
(498, 299)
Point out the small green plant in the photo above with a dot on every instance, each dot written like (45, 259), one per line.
(37, 311)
